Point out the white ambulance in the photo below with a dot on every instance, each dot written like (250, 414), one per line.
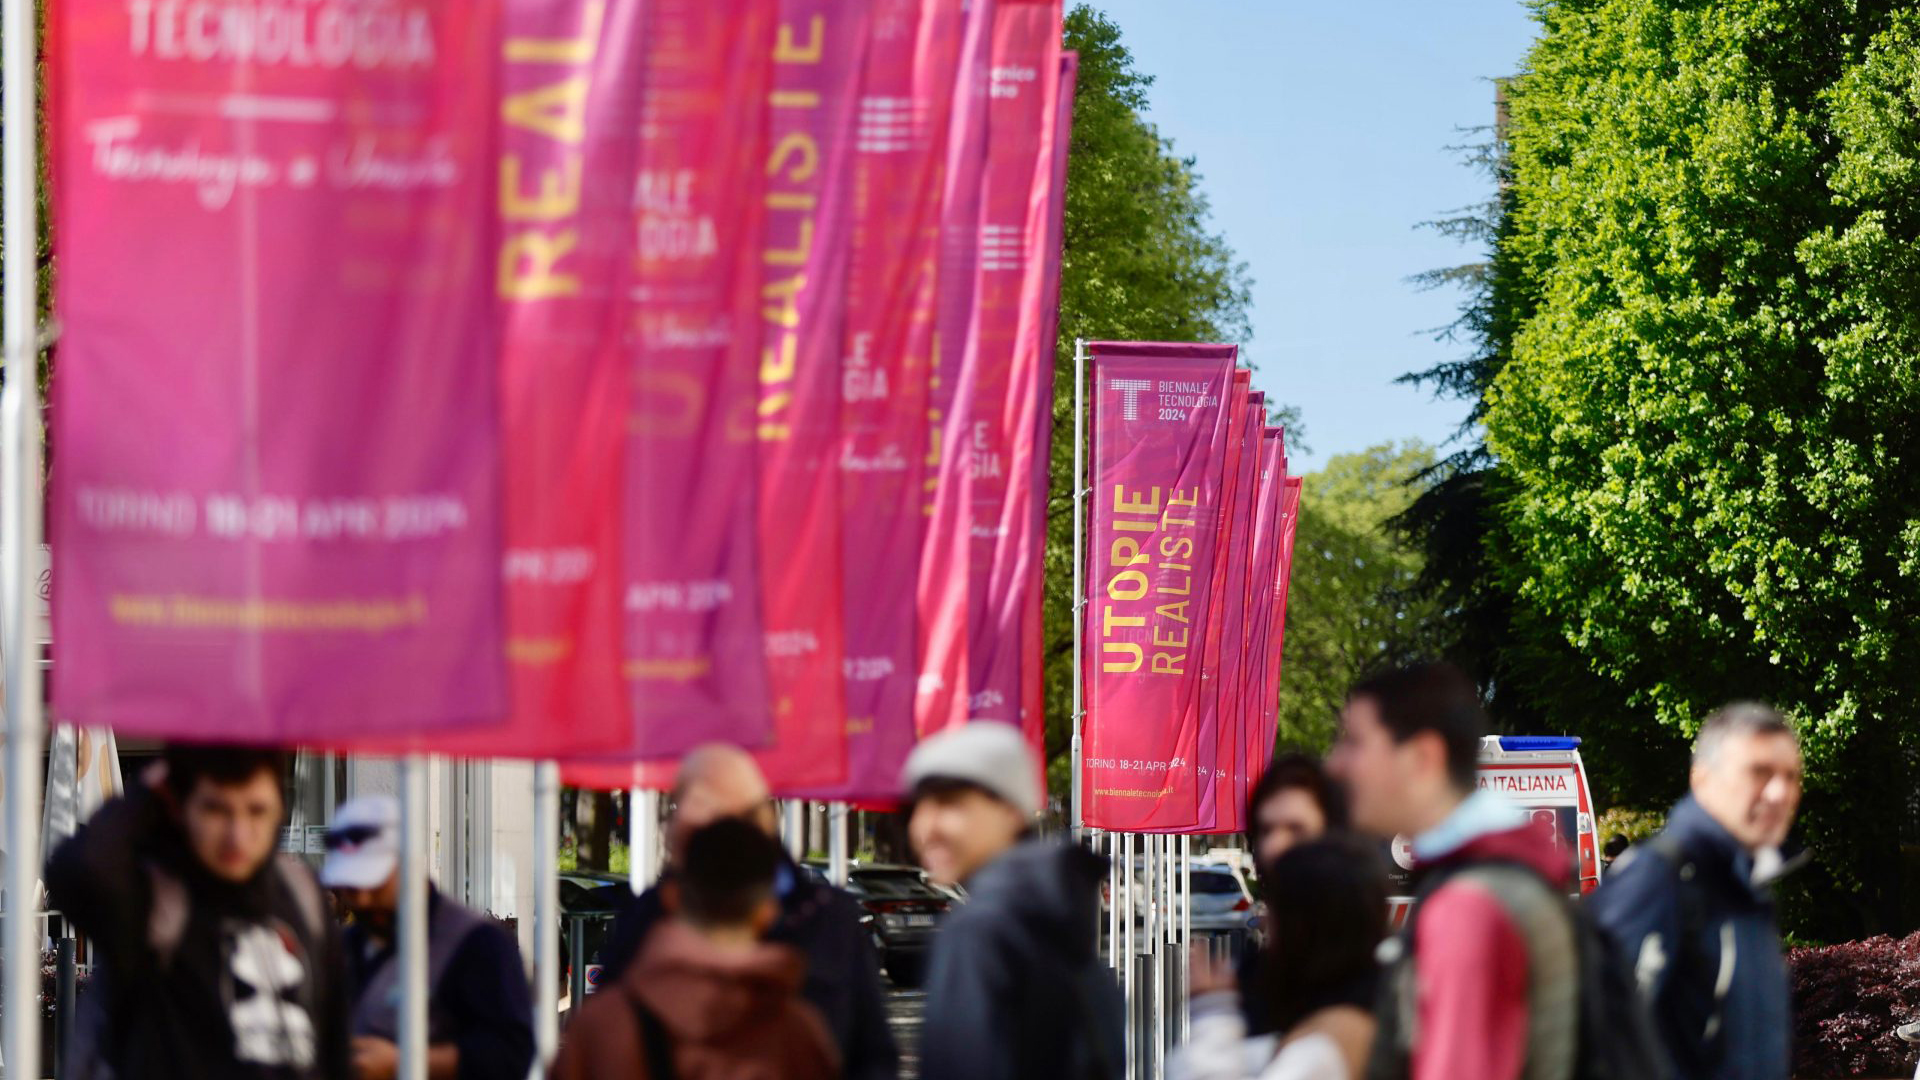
(1543, 776)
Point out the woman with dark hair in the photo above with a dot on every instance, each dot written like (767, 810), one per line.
(1326, 913)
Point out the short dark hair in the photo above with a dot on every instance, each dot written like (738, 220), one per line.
(1738, 718)
(1326, 913)
(189, 763)
(1297, 772)
(729, 872)
(1436, 697)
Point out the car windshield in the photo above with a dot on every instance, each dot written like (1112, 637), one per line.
(1215, 882)
(894, 885)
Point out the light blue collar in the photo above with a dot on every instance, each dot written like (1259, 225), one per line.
(1478, 815)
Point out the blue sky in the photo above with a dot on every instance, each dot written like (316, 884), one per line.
(1320, 131)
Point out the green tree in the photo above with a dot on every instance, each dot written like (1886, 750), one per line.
(1139, 261)
(1351, 605)
(1706, 419)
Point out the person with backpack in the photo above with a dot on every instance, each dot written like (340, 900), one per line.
(1015, 987)
(715, 782)
(479, 1009)
(1485, 982)
(218, 960)
(708, 998)
(1326, 913)
(1692, 908)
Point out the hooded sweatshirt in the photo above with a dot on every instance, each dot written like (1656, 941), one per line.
(200, 978)
(1015, 986)
(1478, 969)
(727, 1015)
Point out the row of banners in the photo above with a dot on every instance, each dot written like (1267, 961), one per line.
(724, 327)
(1190, 551)
(578, 379)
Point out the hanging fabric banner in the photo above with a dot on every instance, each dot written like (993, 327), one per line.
(942, 596)
(1159, 454)
(567, 119)
(1005, 350)
(818, 53)
(1235, 618)
(277, 408)
(1033, 676)
(695, 652)
(1289, 521)
(1265, 569)
(904, 103)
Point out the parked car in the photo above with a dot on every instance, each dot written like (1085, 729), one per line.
(1221, 902)
(902, 911)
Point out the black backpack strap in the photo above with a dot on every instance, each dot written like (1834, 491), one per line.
(656, 1046)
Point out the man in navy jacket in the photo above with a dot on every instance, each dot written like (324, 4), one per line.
(1692, 909)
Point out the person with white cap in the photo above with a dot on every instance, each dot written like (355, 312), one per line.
(1015, 986)
(479, 1009)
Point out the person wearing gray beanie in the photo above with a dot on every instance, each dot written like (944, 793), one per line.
(1015, 986)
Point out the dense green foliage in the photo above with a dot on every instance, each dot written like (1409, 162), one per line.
(1698, 370)
(1351, 607)
(1139, 262)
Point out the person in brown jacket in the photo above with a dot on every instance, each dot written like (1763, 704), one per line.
(707, 999)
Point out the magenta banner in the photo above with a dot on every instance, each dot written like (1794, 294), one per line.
(901, 132)
(818, 53)
(276, 505)
(1033, 681)
(561, 280)
(1236, 615)
(942, 594)
(1005, 352)
(1289, 521)
(1159, 455)
(1266, 568)
(695, 650)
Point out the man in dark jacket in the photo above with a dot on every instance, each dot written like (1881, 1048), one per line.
(218, 961)
(1692, 908)
(823, 923)
(1015, 987)
(479, 1010)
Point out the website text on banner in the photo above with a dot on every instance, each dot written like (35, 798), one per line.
(905, 99)
(942, 593)
(696, 655)
(277, 412)
(1006, 353)
(1033, 682)
(1159, 454)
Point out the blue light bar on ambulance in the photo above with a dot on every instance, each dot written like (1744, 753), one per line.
(1539, 742)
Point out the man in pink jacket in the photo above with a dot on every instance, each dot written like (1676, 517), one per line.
(1490, 987)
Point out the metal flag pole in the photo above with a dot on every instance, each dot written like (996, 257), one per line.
(796, 829)
(20, 534)
(412, 917)
(838, 858)
(1079, 590)
(1186, 932)
(546, 914)
(643, 832)
(1113, 902)
(1126, 954)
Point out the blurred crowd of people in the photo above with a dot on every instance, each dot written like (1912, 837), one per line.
(219, 958)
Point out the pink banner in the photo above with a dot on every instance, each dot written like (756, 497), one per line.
(1159, 456)
(1033, 676)
(942, 596)
(900, 141)
(1289, 521)
(695, 651)
(1237, 715)
(1006, 353)
(561, 279)
(1280, 555)
(276, 500)
(1266, 567)
(818, 52)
